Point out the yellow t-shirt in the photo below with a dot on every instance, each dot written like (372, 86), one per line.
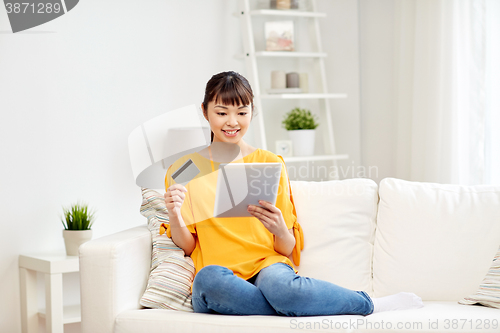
(241, 244)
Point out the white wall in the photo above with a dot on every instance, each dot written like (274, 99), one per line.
(73, 89)
(340, 35)
(378, 120)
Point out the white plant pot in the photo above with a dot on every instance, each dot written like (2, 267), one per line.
(302, 142)
(74, 238)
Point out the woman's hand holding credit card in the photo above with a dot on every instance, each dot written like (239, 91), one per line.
(175, 195)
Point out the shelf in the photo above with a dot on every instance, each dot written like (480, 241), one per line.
(315, 158)
(277, 12)
(290, 54)
(71, 314)
(283, 54)
(302, 96)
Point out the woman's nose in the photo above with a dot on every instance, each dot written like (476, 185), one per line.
(232, 121)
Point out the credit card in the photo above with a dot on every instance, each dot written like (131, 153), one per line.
(185, 173)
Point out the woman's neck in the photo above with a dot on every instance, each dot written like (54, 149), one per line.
(247, 150)
(226, 151)
(244, 147)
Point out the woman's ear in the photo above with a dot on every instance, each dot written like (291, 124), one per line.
(204, 112)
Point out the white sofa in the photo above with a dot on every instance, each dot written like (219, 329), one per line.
(437, 241)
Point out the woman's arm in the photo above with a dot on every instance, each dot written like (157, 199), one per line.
(181, 236)
(285, 244)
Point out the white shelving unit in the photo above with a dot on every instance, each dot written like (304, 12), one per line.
(253, 56)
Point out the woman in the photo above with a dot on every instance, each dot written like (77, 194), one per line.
(242, 263)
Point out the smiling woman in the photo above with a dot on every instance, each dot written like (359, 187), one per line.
(250, 256)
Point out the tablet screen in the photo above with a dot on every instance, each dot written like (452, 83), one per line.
(243, 184)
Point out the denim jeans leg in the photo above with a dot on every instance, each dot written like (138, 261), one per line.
(293, 295)
(217, 290)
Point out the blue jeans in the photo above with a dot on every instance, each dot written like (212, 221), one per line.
(275, 290)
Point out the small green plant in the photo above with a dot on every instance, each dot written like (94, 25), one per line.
(298, 119)
(77, 217)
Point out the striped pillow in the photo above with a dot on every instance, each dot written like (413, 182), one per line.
(172, 273)
(489, 290)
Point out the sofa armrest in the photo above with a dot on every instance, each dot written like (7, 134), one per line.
(113, 276)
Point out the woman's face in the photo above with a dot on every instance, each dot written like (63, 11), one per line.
(228, 122)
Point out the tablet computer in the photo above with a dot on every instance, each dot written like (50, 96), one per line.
(243, 184)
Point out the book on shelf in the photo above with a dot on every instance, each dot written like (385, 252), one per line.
(279, 36)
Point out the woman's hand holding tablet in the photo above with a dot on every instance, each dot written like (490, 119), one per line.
(270, 216)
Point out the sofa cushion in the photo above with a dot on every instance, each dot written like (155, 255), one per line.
(434, 240)
(489, 290)
(433, 317)
(172, 273)
(338, 220)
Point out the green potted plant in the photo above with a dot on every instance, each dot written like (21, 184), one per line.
(301, 126)
(77, 221)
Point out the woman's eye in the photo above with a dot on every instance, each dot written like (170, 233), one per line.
(221, 113)
(243, 113)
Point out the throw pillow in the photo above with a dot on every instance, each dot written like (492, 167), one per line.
(172, 273)
(489, 290)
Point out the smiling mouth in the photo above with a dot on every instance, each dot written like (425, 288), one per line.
(231, 132)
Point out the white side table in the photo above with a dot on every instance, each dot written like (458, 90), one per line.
(54, 266)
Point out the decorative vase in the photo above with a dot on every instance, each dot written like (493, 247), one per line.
(292, 80)
(302, 142)
(74, 238)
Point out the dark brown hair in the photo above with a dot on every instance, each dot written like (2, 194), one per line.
(230, 88)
